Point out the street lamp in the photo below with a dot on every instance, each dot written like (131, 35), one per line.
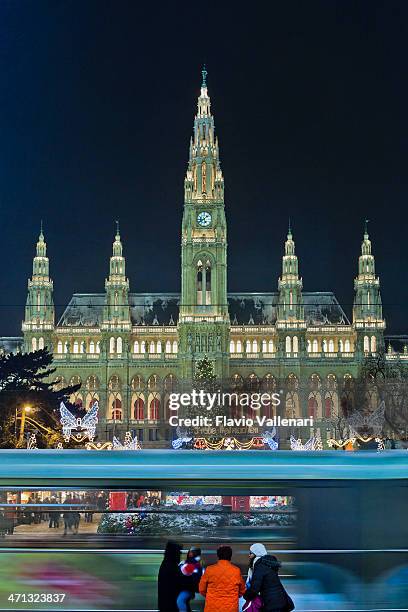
(25, 409)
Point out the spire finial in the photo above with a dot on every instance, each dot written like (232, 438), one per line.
(204, 73)
(289, 228)
(117, 227)
(41, 230)
(366, 227)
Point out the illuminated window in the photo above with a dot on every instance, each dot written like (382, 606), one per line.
(139, 409)
(154, 409)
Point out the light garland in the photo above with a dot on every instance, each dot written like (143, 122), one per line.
(228, 444)
(99, 446)
(342, 443)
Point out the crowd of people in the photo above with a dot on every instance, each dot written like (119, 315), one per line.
(55, 512)
(221, 584)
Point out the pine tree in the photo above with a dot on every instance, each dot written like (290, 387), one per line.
(24, 380)
(204, 377)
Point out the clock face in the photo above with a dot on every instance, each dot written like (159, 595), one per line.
(204, 219)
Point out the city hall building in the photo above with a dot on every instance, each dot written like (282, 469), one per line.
(131, 350)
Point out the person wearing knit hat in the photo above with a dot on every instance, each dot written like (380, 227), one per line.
(264, 588)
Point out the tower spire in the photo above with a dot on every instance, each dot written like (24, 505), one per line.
(39, 312)
(117, 312)
(367, 309)
(204, 73)
(204, 176)
(290, 304)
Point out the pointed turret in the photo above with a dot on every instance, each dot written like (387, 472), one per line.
(39, 312)
(367, 310)
(290, 305)
(290, 321)
(204, 176)
(117, 312)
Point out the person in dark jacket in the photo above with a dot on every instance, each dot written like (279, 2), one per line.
(191, 572)
(169, 578)
(264, 581)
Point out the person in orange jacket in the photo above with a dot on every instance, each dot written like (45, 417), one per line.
(222, 584)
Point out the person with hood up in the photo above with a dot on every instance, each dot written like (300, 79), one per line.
(169, 578)
(264, 581)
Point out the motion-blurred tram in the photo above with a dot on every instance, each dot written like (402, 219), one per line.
(336, 520)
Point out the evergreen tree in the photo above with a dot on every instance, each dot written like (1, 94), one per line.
(204, 377)
(24, 381)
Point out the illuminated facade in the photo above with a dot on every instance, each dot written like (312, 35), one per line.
(130, 350)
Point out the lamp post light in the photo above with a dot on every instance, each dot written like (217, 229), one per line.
(25, 409)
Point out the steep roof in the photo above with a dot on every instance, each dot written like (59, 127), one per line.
(162, 309)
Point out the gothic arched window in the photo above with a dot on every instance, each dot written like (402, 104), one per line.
(208, 283)
(366, 344)
(199, 283)
(139, 409)
(373, 344)
(119, 345)
(295, 343)
(288, 344)
(116, 409)
(154, 409)
(111, 345)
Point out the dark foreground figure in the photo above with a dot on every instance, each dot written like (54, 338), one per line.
(265, 591)
(169, 585)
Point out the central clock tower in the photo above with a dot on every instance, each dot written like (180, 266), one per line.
(204, 319)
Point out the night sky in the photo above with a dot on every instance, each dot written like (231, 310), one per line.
(97, 101)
